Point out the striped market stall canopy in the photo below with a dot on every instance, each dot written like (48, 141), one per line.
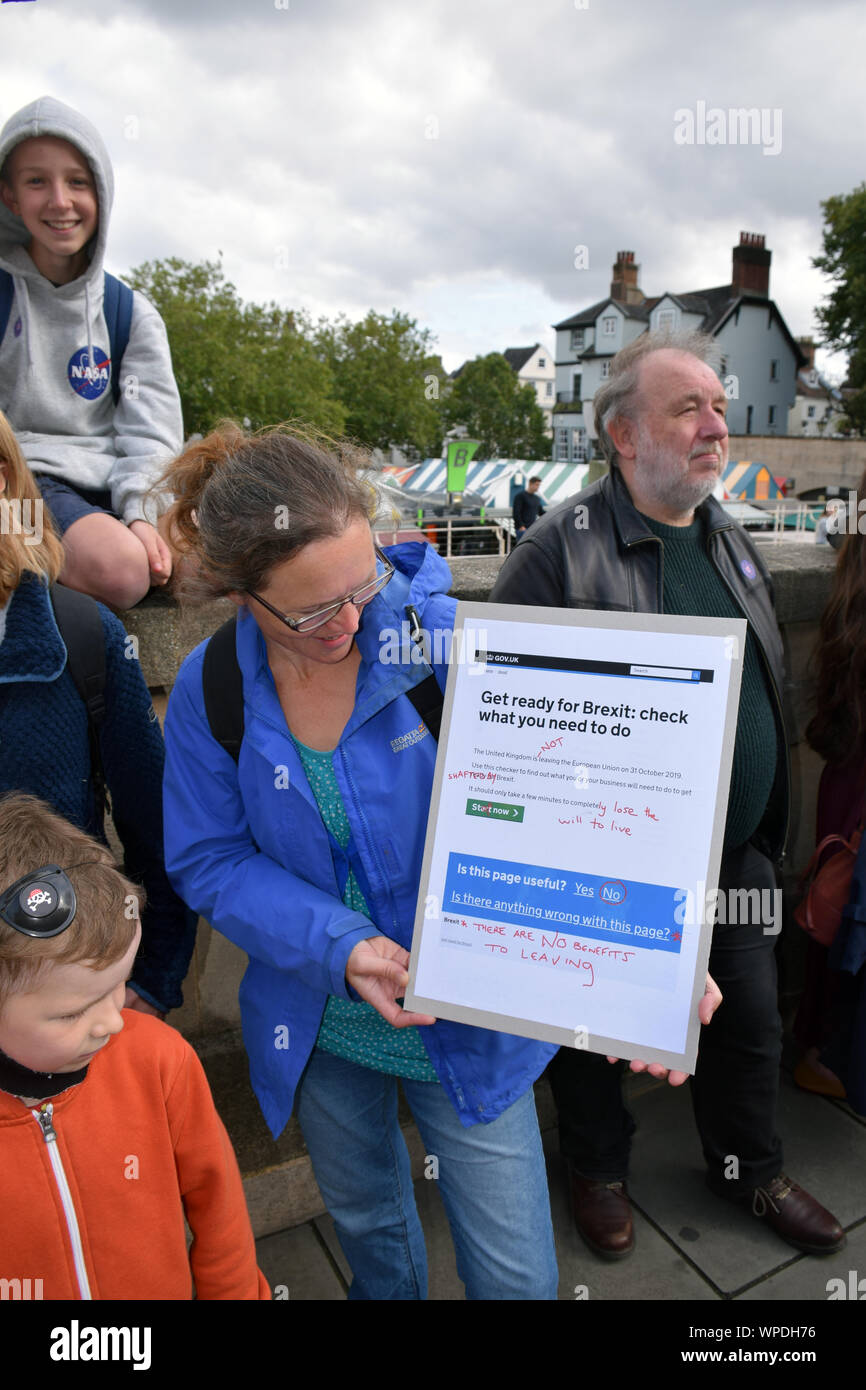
(430, 476)
(745, 480)
(496, 479)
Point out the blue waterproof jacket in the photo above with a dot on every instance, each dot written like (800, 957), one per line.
(246, 846)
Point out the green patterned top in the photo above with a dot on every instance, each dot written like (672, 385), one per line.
(355, 1030)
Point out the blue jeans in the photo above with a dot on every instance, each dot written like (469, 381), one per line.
(492, 1180)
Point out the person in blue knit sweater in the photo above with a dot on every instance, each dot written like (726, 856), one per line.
(44, 745)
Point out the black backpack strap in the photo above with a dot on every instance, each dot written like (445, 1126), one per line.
(428, 701)
(80, 627)
(426, 697)
(223, 689)
(7, 293)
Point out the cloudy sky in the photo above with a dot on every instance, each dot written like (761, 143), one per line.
(447, 157)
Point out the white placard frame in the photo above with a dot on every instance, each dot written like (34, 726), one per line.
(731, 634)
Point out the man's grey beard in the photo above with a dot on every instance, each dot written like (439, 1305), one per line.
(683, 495)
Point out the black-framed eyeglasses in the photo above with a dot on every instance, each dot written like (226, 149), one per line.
(42, 903)
(324, 615)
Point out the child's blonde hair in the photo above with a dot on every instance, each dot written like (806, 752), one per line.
(31, 836)
(24, 546)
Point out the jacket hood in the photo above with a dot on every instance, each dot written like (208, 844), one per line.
(419, 574)
(47, 116)
(422, 568)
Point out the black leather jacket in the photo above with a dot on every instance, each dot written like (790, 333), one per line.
(596, 551)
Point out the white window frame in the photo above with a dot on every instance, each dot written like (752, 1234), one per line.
(605, 370)
(578, 336)
(608, 326)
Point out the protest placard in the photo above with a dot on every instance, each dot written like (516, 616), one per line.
(576, 827)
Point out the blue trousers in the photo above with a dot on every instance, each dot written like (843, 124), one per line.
(491, 1177)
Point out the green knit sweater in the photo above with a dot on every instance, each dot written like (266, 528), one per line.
(692, 585)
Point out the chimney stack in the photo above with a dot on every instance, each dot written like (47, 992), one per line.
(624, 286)
(807, 347)
(751, 268)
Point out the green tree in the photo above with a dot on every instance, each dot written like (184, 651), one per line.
(488, 398)
(388, 379)
(843, 316)
(243, 361)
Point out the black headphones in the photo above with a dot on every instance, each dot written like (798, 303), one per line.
(41, 903)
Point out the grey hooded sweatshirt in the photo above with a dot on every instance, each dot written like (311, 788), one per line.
(73, 433)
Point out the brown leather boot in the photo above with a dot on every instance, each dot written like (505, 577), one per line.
(797, 1217)
(602, 1214)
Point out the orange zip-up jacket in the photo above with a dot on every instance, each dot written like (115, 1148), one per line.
(94, 1186)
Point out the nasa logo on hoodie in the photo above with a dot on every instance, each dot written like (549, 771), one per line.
(85, 379)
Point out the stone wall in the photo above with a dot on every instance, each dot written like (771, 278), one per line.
(811, 463)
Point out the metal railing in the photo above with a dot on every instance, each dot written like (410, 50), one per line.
(453, 537)
(790, 517)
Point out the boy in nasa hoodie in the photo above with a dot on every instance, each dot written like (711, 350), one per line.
(94, 460)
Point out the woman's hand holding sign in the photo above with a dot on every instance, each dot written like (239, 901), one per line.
(376, 969)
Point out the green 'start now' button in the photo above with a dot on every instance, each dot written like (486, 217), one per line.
(496, 810)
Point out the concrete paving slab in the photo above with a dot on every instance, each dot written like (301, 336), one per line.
(825, 1150)
(324, 1225)
(725, 1242)
(656, 1269)
(295, 1262)
(809, 1278)
(282, 1197)
(667, 1184)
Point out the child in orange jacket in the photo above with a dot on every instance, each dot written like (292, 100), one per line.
(107, 1137)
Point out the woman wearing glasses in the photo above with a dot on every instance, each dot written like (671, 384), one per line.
(306, 852)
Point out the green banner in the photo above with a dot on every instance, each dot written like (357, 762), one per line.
(460, 454)
(496, 810)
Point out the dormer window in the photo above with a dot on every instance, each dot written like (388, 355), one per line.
(666, 320)
(576, 338)
(608, 325)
